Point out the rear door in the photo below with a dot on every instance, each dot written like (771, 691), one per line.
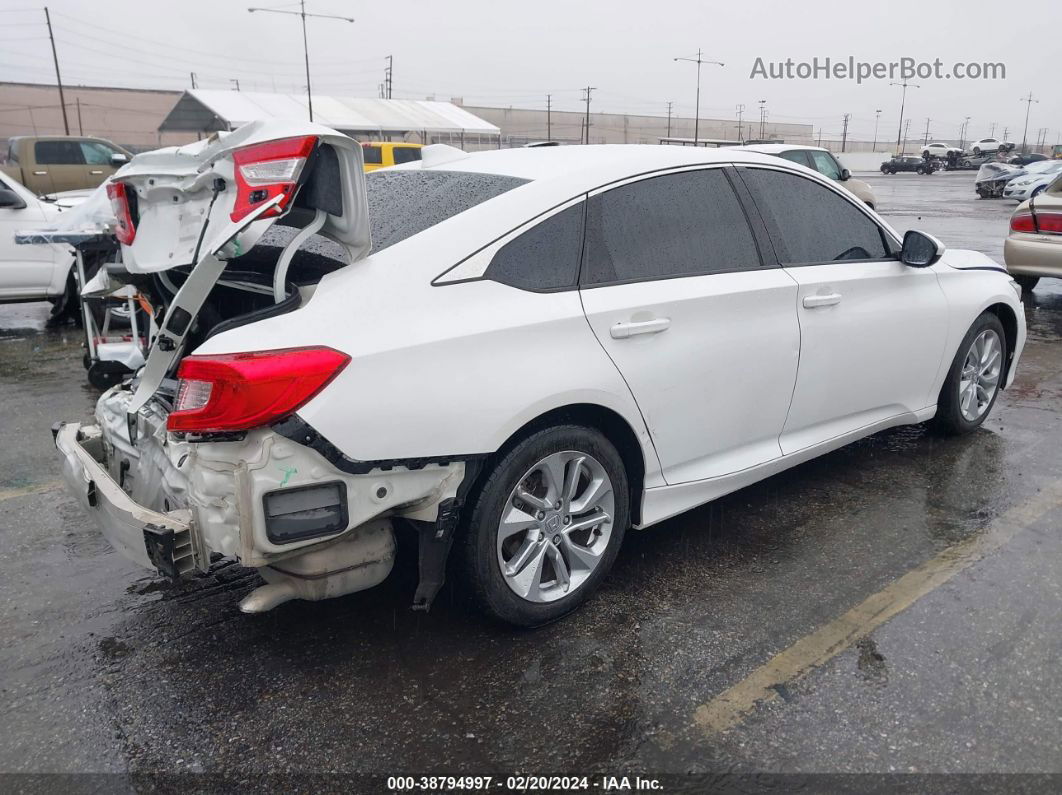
(60, 165)
(704, 333)
(872, 329)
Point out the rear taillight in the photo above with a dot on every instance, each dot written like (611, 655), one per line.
(1049, 223)
(118, 193)
(264, 171)
(1022, 222)
(239, 391)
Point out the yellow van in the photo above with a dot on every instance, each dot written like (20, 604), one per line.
(381, 154)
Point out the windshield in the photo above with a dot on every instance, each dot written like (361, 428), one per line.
(404, 203)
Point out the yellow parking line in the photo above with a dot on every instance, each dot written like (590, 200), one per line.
(22, 491)
(729, 707)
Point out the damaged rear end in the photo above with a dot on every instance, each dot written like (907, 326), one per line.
(201, 457)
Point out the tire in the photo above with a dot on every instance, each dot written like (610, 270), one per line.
(66, 308)
(960, 408)
(1027, 283)
(587, 553)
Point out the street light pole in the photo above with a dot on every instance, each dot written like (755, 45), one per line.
(877, 118)
(305, 46)
(697, 111)
(903, 101)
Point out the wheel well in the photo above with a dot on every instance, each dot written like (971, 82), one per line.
(616, 429)
(1010, 330)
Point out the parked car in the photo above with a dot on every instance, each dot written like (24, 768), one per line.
(900, 163)
(1033, 248)
(539, 349)
(993, 176)
(1034, 181)
(989, 145)
(33, 273)
(1024, 160)
(381, 154)
(941, 150)
(50, 164)
(822, 160)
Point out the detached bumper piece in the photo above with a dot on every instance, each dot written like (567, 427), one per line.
(161, 541)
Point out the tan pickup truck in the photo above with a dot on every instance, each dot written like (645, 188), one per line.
(49, 164)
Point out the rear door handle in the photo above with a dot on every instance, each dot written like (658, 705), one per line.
(39, 173)
(812, 301)
(97, 171)
(621, 331)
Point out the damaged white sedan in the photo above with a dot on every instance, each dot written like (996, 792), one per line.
(526, 351)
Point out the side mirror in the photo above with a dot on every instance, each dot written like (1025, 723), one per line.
(920, 250)
(118, 159)
(845, 174)
(11, 200)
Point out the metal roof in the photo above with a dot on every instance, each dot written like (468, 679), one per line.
(202, 110)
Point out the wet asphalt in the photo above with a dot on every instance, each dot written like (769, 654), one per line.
(104, 668)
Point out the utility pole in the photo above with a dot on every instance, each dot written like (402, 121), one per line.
(991, 129)
(903, 101)
(58, 79)
(669, 118)
(236, 82)
(925, 141)
(763, 117)
(877, 118)
(740, 113)
(1005, 131)
(305, 46)
(697, 108)
(820, 136)
(388, 72)
(80, 129)
(549, 117)
(587, 126)
(962, 132)
(906, 128)
(194, 86)
(844, 133)
(1028, 106)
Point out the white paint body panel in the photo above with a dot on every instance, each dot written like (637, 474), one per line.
(28, 272)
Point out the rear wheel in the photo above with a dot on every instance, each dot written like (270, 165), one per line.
(1027, 283)
(972, 385)
(546, 526)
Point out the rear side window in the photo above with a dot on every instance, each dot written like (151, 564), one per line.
(797, 156)
(809, 223)
(545, 257)
(684, 224)
(405, 154)
(404, 203)
(373, 155)
(58, 153)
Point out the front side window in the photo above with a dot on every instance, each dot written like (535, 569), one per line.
(684, 224)
(545, 257)
(405, 154)
(97, 154)
(825, 164)
(809, 223)
(58, 153)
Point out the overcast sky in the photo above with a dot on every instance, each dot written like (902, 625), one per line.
(514, 53)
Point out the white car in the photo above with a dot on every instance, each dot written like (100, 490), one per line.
(1034, 182)
(988, 145)
(941, 150)
(531, 351)
(31, 273)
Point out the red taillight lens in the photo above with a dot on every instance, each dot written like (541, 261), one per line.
(1049, 223)
(267, 170)
(1022, 222)
(117, 192)
(239, 391)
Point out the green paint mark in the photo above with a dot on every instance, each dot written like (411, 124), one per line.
(288, 472)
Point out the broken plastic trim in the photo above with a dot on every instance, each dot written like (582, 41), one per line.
(298, 430)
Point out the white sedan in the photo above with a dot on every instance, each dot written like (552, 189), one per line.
(530, 352)
(1034, 182)
(941, 150)
(988, 145)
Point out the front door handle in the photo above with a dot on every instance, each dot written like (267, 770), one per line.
(621, 331)
(40, 173)
(829, 299)
(97, 171)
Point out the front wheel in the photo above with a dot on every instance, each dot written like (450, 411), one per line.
(972, 385)
(546, 525)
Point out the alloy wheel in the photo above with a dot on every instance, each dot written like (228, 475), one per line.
(980, 375)
(555, 526)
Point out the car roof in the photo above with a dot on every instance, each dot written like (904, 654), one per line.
(774, 149)
(599, 163)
